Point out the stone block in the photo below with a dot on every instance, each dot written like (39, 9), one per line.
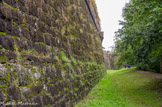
(33, 10)
(14, 16)
(7, 42)
(2, 26)
(36, 89)
(15, 31)
(47, 38)
(13, 93)
(25, 93)
(53, 90)
(6, 12)
(37, 100)
(21, 5)
(2, 98)
(25, 33)
(47, 100)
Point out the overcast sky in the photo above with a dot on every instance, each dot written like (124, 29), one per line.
(110, 12)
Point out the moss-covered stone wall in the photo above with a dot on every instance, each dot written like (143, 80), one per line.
(50, 53)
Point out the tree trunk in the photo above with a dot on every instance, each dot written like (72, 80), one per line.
(161, 64)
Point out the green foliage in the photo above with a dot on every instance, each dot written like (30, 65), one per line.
(139, 41)
(23, 51)
(63, 56)
(2, 48)
(79, 0)
(16, 49)
(63, 30)
(10, 6)
(31, 51)
(91, 66)
(24, 20)
(3, 58)
(73, 61)
(3, 33)
(41, 43)
(14, 37)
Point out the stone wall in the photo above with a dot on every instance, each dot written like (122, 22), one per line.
(109, 59)
(50, 53)
(106, 59)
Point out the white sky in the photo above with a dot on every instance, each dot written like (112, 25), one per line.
(110, 12)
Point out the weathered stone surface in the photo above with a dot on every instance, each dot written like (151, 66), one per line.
(11, 3)
(26, 33)
(7, 42)
(37, 100)
(3, 81)
(15, 31)
(14, 15)
(25, 93)
(13, 93)
(33, 10)
(3, 74)
(32, 58)
(2, 26)
(47, 100)
(1, 96)
(49, 53)
(53, 90)
(36, 89)
(11, 55)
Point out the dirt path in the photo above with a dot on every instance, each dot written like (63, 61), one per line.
(151, 74)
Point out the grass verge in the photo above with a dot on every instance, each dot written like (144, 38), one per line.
(124, 88)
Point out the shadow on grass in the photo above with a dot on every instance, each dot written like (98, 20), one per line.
(138, 88)
(154, 85)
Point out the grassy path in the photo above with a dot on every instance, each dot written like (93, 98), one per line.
(125, 88)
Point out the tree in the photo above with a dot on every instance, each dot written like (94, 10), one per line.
(139, 41)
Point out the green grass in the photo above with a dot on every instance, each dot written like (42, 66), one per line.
(124, 88)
